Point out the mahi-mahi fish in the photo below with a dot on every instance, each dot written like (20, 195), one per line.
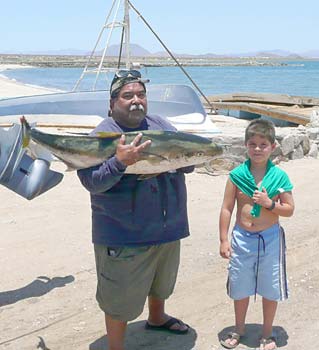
(169, 150)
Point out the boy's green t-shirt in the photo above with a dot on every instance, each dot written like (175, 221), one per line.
(275, 181)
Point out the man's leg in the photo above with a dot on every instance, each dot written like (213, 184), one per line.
(115, 333)
(157, 315)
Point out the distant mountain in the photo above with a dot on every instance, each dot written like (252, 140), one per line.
(136, 50)
(186, 55)
(139, 51)
(265, 53)
(275, 53)
(311, 54)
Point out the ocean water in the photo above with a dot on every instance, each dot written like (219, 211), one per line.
(294, 78)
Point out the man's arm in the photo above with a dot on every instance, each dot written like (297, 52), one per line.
(104, 176)
(101, 178)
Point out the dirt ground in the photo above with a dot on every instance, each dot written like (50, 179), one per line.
(47, 289)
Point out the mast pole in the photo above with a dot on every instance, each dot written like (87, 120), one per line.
(127, 34)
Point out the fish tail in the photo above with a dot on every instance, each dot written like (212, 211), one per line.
(26, 131)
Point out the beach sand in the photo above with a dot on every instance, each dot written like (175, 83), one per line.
(47, 290)
(10, 88)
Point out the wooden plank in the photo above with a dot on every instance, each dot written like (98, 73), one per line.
(281, 99)
(269, 111)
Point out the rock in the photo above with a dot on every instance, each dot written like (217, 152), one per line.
(296, 153)
(291, 142)
(314, 118)
(313, 133)
(279, 159)
(313, 152)
(305, 144)
(287, 144)
(298, 138)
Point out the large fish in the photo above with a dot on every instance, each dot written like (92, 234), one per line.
(169, 150)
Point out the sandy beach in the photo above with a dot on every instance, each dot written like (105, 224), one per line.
(47, 290)
(10, 88)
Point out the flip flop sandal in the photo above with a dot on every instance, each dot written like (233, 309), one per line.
(230, 337)
(167, 326)
(266, 341)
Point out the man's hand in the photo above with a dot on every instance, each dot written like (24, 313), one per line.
(131, 153)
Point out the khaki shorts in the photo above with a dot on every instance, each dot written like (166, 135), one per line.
(127, 275)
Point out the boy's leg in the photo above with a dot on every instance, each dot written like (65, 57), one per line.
(241, 307)
(269, 312)
(115, 330)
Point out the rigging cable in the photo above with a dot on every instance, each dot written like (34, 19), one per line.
(173, 57)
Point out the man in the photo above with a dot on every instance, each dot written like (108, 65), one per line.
(136, 225)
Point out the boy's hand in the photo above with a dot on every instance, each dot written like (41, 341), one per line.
(225, 250)
(261, 198)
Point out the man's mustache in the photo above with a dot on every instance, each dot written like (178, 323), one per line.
(137, 107)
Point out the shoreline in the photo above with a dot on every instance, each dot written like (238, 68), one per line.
(72, 61)
(12, 88)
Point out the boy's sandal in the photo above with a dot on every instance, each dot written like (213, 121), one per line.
(231, 341)
(266, 341)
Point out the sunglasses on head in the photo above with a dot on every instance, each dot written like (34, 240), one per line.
(128, 73)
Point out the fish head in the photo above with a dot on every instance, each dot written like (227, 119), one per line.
(199, 155)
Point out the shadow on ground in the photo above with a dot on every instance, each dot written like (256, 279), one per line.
(253, 333)
(139, 338)
(40, 286)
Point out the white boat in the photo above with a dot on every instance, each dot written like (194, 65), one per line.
(178, 103)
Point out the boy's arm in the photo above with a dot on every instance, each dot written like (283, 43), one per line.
(284, 207)
(225, 217)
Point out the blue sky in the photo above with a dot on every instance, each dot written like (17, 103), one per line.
(198, 27)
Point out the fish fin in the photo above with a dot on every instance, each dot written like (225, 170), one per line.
(105, 134)
(26, 128)
(154, 155)
(142, 177)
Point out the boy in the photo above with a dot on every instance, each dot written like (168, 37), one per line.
(262, 192)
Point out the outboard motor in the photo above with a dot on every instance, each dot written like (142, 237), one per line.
(19, 172)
